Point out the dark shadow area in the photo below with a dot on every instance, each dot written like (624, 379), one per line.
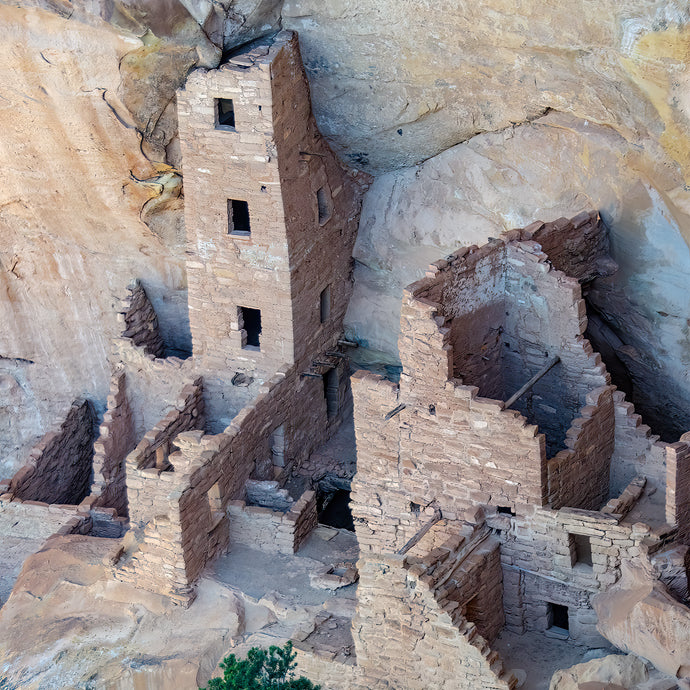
(334, 510)
(657, 398)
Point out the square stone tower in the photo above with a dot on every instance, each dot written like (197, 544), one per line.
(271, 215)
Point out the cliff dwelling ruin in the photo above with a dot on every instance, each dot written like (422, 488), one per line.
(501, 490)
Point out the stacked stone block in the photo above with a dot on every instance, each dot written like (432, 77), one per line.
(493, 315)
(268, 529)
(678, 487)
(59, 466)
(141, 321)
(115, 440)
(637, 451)
(590, 440)
(188, 413)
(577, 246)
(274, 159)
(541, 568)
(181, 514)
(405, 638)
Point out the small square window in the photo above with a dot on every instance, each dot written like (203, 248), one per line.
(238, 218)
(325, 303)
(580, 549)
(250, 322)
(225, 113)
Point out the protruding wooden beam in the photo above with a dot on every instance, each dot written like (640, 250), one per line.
(420, 534)
(518, 394)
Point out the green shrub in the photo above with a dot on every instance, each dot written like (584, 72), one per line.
(261, 670)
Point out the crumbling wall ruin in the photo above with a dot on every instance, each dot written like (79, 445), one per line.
(115, 440)
(59, 466)
(183, 513)
(432, 446)
(141, 321)
(280, 531)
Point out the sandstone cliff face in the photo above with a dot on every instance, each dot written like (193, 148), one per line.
(90, 195)
(573, 105)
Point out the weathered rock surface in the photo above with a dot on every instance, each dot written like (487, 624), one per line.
(396, 83)
(106, 634)
(68, 624)
(88, 197)
(619, 670)
(638, 615)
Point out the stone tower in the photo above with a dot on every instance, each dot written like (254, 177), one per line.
(271, 215)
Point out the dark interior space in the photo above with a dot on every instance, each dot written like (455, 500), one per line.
(334, 510)
(251, 322)
(238, 218)
(558, 617)
(225, 113)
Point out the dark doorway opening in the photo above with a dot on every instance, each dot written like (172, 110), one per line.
(250, 321)
(334, 510)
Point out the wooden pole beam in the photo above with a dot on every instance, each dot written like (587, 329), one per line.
(545, 369)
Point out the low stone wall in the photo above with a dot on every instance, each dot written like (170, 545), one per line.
(621, 505)
(271, 530)
(141, 322)
(59, 466)
(187, 414)
(590, 442)
(115, 440)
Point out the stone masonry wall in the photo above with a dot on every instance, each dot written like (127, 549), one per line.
(637, 451)
(141, 322)
(321, 202)
(59, 466)
(402, 632)
(540, 565)
(152, 383)
(154, 449)
(189, 526)
(578, 246)
(115, 440)
(273, 530)
(678, 487)
(590, 442)
(274, 160)
(545, 317)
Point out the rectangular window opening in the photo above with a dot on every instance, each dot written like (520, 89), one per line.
(325, 303)
(238, 218)
(250, 322)
(580, 549)
(323, 200)
(558, 617)
(225, 113)
(330, 390)
(505, 510)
